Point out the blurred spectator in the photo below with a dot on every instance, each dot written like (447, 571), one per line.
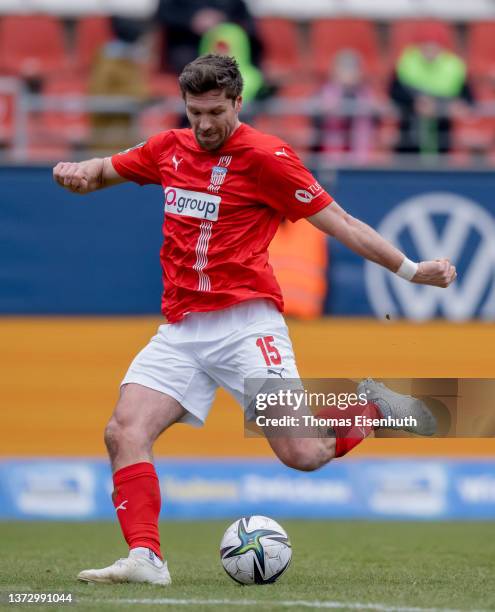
(118, 71)
(230, 39)
(299, 257)
(347, 123)
(184, 22)
(430, 88)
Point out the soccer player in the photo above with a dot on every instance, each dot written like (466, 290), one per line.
(226, 188)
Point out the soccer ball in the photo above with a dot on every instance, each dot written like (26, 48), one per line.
(255, 550)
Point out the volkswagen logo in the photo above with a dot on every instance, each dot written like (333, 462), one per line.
(438, 225)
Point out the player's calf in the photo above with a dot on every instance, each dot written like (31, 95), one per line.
(304, 454)
(298, 445)
(140, 416)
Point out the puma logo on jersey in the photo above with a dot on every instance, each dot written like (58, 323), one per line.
(176, 162)
(282, 152)
(275, 372)
(122, 505)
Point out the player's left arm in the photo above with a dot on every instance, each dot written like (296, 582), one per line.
(365, 241)
(87, 176)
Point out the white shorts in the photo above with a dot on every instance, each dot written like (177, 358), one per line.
(190, 359)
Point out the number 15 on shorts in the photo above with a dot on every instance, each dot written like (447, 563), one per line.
(269, 350)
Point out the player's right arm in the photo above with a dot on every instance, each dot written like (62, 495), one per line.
(87, 176)
(285, 184)
(365, 241)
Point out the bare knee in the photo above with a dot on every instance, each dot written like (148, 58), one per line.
(304, 454)
(120, 435)
(112, 436)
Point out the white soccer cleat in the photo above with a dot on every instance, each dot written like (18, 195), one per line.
(398, 406)
(137, 567)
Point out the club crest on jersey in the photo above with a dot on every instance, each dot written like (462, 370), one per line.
(217, 178)
(218, 173)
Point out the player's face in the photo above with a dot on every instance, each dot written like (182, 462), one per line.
(213, 117)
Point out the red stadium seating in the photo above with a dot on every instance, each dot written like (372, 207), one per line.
(473, 133)
(73, 123)
(282, 55)
(164, 86)
(329, 36)
(53, 132)
(91, 34)
(155, 119)
(299, 90)
(31, 45)
(296, 130)
(481, 49)
(404, 33)
(8, 102)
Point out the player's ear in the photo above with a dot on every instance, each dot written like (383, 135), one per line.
(238, 104)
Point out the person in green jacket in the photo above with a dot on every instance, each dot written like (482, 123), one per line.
(430, 86)
(231, 39)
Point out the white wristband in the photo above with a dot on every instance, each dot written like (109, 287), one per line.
(407, 269)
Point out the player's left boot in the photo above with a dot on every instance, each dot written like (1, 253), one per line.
(398, 406)
(142, 565)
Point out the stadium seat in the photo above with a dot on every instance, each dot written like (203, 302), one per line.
(32, 45)
(282, 54)
(163, 86)
(296, 130)
(154, 120)
(404, 33)
(159, 117)
(473, 134)
(299, 90)
(7, 106)
(90, 35)
(329, 36)
(59, 128)
(481, 49)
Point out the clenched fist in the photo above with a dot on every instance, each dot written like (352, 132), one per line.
(439, 273)
(82, 177)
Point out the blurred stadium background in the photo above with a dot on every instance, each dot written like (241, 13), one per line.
(80, 279)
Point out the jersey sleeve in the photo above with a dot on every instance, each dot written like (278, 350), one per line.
(286, 185)
(140, 163)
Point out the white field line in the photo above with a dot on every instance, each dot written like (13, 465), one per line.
(19, 588)
(343, 605)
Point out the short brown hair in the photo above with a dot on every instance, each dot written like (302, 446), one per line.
(209, 72)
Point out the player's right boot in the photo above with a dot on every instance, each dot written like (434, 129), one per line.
(137, 567)
(399, 406)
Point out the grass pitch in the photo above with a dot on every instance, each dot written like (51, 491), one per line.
(388, 567)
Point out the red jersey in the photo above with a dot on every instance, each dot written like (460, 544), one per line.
(222, 210)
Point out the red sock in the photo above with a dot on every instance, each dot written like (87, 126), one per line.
(349, 436)
(136, 497)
